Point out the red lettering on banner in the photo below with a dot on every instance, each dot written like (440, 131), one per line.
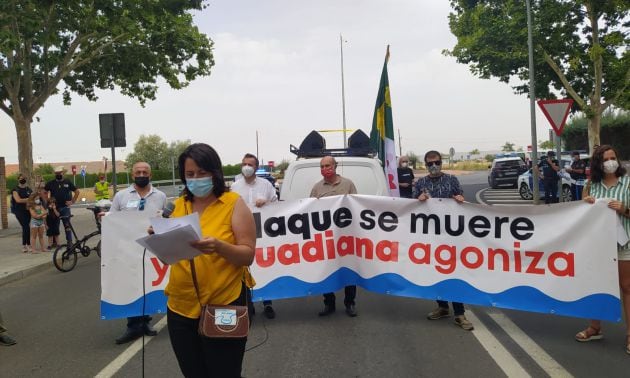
(160, 269)
(447, 257)
(265, 262)
(426, 258)
(330, 244)
(450, 262)
(313, 250)
(289, 254)
(569, 269)
(533, 265)
(345, 246)
(392, 247)
(365, 245)
(472, 250)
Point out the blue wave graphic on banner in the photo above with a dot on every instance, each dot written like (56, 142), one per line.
(526, 298)
(155, 304)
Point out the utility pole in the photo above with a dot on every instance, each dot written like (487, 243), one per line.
(257, 154)
(343, 95)
(532, 103)
(399, 144)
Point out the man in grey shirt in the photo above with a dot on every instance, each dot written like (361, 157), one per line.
(141, 196)
(333, 184)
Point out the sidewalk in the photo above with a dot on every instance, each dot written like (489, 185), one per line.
(15, 265)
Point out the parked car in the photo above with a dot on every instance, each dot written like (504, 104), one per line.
(265, 172)
(505, 171)
(525, 182)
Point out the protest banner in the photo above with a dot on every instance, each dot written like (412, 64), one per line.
(533, 258)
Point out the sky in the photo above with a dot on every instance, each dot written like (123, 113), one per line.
(278, 73)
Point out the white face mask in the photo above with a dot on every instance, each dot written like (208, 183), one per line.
(404, 165)
(247, 170)
(37, 201)
(611, 166)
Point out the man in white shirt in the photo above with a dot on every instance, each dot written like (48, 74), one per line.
(256, 192)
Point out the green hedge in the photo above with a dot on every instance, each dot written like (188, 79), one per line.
(615, 131)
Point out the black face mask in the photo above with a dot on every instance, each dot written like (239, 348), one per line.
(22, 181)
(59, 177)
(141, 181)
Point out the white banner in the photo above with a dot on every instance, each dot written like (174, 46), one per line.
(557, 259)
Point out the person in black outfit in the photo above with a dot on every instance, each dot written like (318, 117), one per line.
(578, 176)
(65, 194)
(19, 197)
(550, 168)
(405, 177)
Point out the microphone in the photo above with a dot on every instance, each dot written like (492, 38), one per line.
(168, 209)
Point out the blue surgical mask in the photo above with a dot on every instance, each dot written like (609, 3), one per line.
(200, 187)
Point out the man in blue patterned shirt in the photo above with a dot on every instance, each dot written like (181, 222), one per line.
(441, 185)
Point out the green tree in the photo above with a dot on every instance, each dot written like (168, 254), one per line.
(580, 49)
(284, 164)
(44, 169)
(153, 150)
(474, 152)
(90, 45)
(489, 157)
(413, 159)
(508, 147)
(547, 145)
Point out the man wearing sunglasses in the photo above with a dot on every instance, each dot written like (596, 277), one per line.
(441, 185)
(140, 196)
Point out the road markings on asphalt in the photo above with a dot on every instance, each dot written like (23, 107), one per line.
(120, 361)
(510, 366)
(542, 358)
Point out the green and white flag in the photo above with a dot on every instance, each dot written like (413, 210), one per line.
(382, 134)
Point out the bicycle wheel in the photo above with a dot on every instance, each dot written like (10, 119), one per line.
(65, 259)
(92, 242)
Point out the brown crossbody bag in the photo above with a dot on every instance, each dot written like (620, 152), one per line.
(221, 321)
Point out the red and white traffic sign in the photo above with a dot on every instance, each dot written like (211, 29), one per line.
(556, 112)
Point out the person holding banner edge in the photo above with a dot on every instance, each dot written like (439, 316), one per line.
(609, 181)
(256, 192)
(141, 196)
(441, 185)
(227, 249)
(333, 184)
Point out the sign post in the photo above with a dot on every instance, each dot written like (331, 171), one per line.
(112, 128)
(74, 175)
(83, 174)
(556, 112)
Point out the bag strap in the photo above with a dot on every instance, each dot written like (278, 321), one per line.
(193, 273)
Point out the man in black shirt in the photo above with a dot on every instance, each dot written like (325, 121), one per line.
(65, 194)
(405, 177)
(550, 168)
(578, 175)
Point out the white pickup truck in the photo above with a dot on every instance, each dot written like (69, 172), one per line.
(354, 163)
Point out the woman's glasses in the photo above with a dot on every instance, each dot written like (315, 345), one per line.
(432, 163)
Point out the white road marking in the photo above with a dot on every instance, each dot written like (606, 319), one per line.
(510, 366)
(542, 358)
(120, 361)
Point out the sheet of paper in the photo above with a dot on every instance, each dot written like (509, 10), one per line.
(172, 246)
(162, 225)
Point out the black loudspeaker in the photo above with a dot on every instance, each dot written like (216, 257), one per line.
(312, 145)
(359, 139)
(112, 126)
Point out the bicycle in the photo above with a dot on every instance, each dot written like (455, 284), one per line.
(65, 257)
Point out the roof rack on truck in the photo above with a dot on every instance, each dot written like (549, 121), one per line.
(314, 145)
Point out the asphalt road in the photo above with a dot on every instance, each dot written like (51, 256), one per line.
(55, 317)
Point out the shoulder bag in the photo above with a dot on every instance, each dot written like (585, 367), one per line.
(221, 321)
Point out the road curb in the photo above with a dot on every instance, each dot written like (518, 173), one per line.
(16, 276)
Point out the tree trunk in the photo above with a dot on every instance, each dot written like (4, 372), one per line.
(594, 127)
(25, 148)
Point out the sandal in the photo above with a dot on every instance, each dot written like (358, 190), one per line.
(589, 334)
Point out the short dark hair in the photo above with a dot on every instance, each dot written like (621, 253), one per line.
(432, 153)
(597, 163)
(252, 156)
(575, 153)
(207, 158)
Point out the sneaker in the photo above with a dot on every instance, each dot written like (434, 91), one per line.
(438, 313)
(464, 323)
(7, 340)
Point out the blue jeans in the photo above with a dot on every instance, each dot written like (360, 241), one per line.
(64, 213)
(458, 308)
(576, 192)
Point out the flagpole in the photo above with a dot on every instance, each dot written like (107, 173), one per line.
(343, 95)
